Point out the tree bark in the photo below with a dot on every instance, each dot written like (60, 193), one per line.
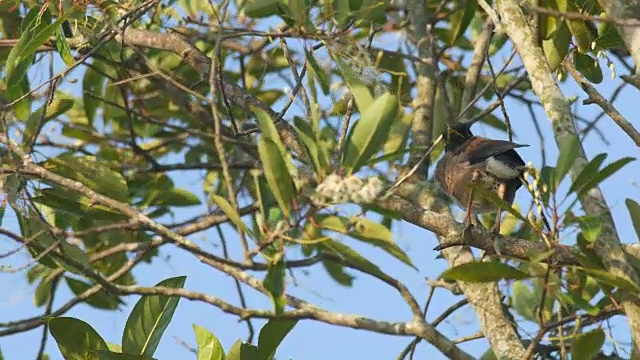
(608, 246)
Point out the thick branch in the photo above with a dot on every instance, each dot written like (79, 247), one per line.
(423, 103)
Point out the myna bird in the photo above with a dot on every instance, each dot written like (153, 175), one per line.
(492, 164)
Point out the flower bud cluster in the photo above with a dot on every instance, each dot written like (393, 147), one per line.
(336, 190)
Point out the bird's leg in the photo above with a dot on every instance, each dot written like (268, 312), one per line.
(467, 219)
(502, 191)
(496, 228)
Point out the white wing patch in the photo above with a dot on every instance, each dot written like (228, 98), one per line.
(499, 169)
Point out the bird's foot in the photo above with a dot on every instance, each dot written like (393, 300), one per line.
(466, 233)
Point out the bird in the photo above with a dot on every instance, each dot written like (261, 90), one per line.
(492, 164)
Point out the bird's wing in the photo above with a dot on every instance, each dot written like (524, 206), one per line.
(480, 149)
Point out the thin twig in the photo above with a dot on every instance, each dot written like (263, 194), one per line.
(215, 76)
(243, 301)
(606, 106)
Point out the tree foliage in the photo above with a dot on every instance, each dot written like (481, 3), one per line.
(303, 124)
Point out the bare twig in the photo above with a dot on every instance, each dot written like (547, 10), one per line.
(606, 106)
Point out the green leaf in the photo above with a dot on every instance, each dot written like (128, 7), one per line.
(36, 272)
(76, 339)
(351, 256)
(149, 319)
(370, 132)
(569, 148)
(100, 300)
(580, 31)
(524, 300)
(36, 30)
(272, 334)
(608, 278)
(32, 228)
(491, 196)
(548, 24)
(42, 294)
(509, 223)
(112, 355)
(308, 138)
(209, 347)
(634, 212)
(274, 283)
(69, 202)
(242, 351)
(359, 90)
(488, 355)
(587, 172)
(370, 12)
(61, 103)
(380, 236)
(365, 230)
(398, 134)
(92, 90)
(21, 108)
(591, 226)
(608, 36)
(602, 175)
(268, 128)
(338, 273)
(93, 172)
(587, 345)
(261, 8)
(277, 174)
(478, 272)
(228, 210)
(315, 69)
(177, 197)
(341, 10)
(577, 302)
(63, 48)
(588, 67)
(556, 48)
(461, 19)
(299, 9)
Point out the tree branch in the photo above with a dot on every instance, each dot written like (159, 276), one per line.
(606, 106)
(607, 246)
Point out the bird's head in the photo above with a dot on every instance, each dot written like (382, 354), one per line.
(456, 135)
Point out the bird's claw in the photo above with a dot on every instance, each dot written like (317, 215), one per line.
(466, 233)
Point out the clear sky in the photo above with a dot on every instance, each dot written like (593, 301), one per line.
(368, 297)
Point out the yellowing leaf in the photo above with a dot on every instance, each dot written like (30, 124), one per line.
(209, 347)
(477, 272)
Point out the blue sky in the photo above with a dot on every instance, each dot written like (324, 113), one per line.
(368, 297)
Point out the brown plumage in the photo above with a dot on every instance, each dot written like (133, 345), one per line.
(492, 164)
